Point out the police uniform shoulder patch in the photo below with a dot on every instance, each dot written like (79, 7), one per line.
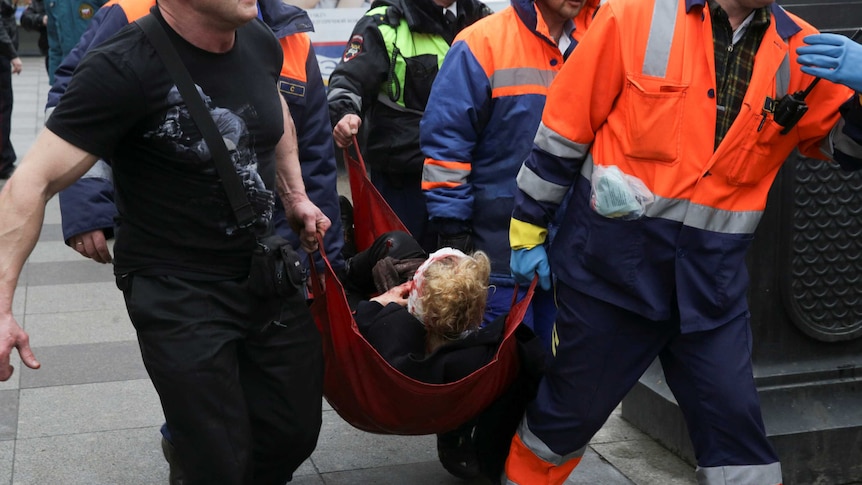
(86, 11)
(354, 47)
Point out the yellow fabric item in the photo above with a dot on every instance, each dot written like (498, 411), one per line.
(523, 235)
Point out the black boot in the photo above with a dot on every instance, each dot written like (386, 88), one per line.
(457, 454)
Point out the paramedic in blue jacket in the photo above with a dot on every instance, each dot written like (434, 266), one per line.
(87, 207)
(477, 128)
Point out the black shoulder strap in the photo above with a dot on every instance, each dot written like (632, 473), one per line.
(200, 114)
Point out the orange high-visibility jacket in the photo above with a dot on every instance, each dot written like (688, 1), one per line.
(639, 93)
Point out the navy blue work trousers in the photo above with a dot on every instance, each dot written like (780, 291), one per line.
(602, 350)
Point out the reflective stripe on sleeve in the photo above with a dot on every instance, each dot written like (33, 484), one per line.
(355, 99)
(437, 173)
(558, 145)
(521, 76)
(538, 188)
(841, 142)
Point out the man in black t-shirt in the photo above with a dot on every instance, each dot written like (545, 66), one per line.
(239, 376)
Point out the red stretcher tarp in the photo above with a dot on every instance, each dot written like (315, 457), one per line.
(359, 384)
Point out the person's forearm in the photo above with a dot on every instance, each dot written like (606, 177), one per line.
(50, 165)
(289, 173)
(21, 214)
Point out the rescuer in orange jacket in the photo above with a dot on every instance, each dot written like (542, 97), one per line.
(665, 124)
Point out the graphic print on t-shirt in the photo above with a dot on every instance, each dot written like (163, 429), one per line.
(179, 130)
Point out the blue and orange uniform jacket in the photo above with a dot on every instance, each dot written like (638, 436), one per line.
(641, 97)
(483, 111)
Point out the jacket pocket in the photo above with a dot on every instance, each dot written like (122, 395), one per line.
(654, 110)
(420, 74)
(753, 160)
(615, 263)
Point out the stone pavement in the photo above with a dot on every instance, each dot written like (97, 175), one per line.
(90, 416)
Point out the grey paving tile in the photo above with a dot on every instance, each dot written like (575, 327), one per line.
(8, 414)
(645, 462)
(615, 429)
(52, 212)
(88, 327)
(398, 473)
(74, 298)
(342, 447)
(118, 457)
(18, 301)
(85, 364)
(307, 468)
(593, 470)
(12, 382)
(88, 408)
(58, 251)
(7, 454)
(307, 480)
(51, 232)
(81, 270)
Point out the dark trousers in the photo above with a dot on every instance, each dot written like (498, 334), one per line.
(7, 152)
(240, 378)
(403, 193)
(602, 351)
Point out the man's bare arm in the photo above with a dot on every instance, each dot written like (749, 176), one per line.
(304, 217)
(51, 165)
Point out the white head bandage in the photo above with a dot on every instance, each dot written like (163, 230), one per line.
(414, 304)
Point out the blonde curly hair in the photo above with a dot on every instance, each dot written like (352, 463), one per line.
(453, 297)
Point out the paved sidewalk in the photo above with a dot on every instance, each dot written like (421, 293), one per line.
(90, 416)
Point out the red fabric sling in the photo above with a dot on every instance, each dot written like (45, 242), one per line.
(360, 385)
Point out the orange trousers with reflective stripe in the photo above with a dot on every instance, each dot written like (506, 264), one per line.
(523, 467)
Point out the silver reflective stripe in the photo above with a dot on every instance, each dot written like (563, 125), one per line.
(538, 188)
(558, 145)
(384, 99)
(841, 142)
(695, 215)
(740, 475)
(354, 98)
(782, 77)
(437, 173)
(704, 217)
(541, 450)
(720, 220)
(660, 37)
(101, 170)
(522, 76)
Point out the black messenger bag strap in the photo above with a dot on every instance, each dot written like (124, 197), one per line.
(200, 114)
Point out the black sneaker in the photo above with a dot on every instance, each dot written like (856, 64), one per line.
(349, 249)
(457, 454)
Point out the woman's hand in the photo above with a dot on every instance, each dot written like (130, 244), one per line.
(396, 294)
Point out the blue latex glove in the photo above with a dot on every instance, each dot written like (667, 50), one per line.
(832, 57)
(527, 262)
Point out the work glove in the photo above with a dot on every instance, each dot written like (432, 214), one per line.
(462, 241)
(832, 57)
(527, 262)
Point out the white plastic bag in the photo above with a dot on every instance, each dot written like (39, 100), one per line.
(617, 195)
